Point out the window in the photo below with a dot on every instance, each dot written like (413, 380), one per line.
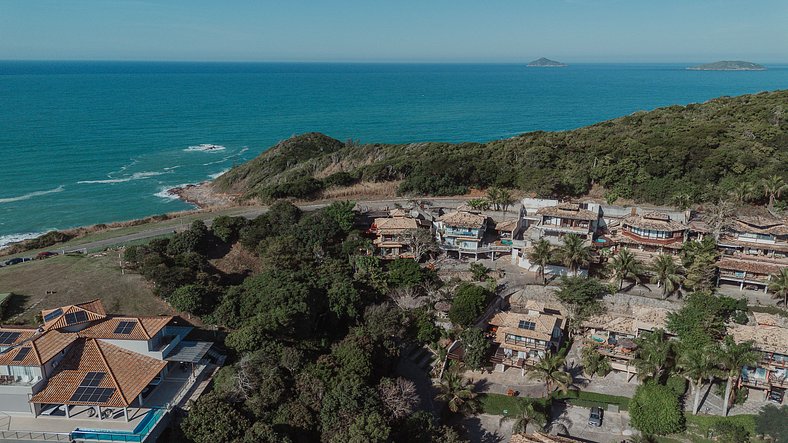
(529, 325)
(125, 327)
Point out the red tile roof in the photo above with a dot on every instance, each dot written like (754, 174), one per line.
(127, 372)
(93, 309)
(143, 328)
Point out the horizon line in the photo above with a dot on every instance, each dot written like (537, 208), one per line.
(373, 62)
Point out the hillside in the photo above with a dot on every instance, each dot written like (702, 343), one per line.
(545, 63)
(702, 150)
(727, 65)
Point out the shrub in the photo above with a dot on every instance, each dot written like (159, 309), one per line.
(729, 432)
(771, 421)
(655, 410)
(468, 304)
(405, 273)
(677, 384)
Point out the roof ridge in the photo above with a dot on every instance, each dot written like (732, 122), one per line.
(109, 370)
(142, 326)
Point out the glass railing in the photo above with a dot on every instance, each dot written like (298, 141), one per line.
(138, 435)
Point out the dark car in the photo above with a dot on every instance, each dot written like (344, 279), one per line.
(777, 395)
(14, 261)
(45, 254)
(595, 418)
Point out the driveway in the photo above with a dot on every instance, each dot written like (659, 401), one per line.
(615, 425)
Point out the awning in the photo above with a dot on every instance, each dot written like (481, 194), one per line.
(189, 351)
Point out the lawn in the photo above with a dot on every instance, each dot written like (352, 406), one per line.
(588, 399)
(499, 404)
(73, 279)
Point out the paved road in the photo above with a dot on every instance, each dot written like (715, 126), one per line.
(251, 213)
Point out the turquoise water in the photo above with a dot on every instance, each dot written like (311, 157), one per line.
(85, 143)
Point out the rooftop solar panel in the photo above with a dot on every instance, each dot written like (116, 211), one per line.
(6, 338)
(125, 327)
(52, 315)
(21, 354)
(92, 379)
(76, 317)
(86, 394)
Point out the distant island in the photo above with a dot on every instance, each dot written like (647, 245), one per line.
(729, 66)
(546, 63)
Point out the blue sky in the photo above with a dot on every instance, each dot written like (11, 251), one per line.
(396, 30)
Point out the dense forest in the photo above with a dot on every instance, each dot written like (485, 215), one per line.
(699, 152)
(313, 339)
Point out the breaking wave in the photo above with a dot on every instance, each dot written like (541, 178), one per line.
(7, 240)
(32, 195)
(205, 147)
(135, 176)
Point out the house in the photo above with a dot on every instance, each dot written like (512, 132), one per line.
(464, 231)
(753, 248)
(613, 334)
(523, 338)
(649, 234)
(769, 334)
(392, 233)
(581, 219)
(86, 369)
(509, 230)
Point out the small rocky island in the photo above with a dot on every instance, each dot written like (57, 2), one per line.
(546, 63)
(729, 66)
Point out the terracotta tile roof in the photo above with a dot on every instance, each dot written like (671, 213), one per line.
(463, 219)
(655, 221)
(127, 372)
(754, 266)
(394, 225)
(629, 322)
(568, 210)
(507, 225)
(138, 328)
(508, 322)
(24, 334)
(732, 241)
(761, 225)
(766, 338)
(43, 347)
(93, 310)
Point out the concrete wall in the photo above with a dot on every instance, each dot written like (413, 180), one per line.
(14, 403)
(549, 269)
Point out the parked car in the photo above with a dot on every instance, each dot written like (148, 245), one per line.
(777, 395)
(595, 418)
(45, 254)
(14, 261)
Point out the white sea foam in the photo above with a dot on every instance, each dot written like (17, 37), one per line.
(8, 240)
(216, 175)
(205, 147)
(166, 193)
(32, 194)
(224, 159)
(135, 176)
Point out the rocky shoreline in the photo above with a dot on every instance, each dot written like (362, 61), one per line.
(202, 195)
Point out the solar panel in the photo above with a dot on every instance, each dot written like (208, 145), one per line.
(6, 338)
(86, 394)
(52, 315)
(21, 354)
(125, 327)
(92, 379)
(76, 317)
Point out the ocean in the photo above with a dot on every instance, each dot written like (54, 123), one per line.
(95, 142)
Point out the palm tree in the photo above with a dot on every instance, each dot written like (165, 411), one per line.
(505, 199)
(626, 267)
(540, 255)
(666, 274)
(778, 283)
(743, 193)
(458, 393)
(654, 355)
(529, 414)
(493, 196)
(733, 357)
(574, 252)
(682, 200)
(773, 187)
(551, 369)
(697, 365)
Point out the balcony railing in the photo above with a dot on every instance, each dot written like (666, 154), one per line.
(479, 250)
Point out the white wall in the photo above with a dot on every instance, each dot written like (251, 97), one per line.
(549, 269)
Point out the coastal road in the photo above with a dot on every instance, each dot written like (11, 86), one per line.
(250, 213)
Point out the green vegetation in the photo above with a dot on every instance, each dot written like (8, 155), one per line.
(721, 427)
(701, 152)
(728, 65)
(655, 410)
(499, 404)
(468, 304)
(771, 421)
